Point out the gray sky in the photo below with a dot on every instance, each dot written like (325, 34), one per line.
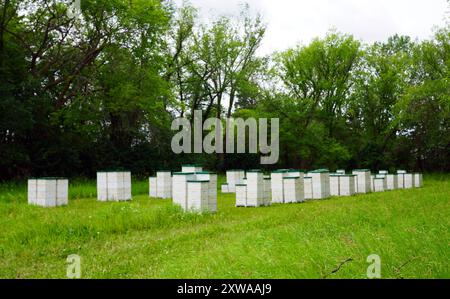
(298, 21)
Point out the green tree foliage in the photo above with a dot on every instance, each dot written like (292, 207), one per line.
(79, 93)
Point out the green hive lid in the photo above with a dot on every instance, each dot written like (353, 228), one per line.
(291, 178)
(280, 171)
(198, 181)
(295, 170)
(320, 171)
(254, 170)
(183, 173)
(361, 170)
(307, 177)
(113, 170)
(241, 184)
(48, 178)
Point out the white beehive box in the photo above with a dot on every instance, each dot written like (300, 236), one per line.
(418, 180)
(180, 189)
(372, 178)
(340, 171)
(276, 178)
(48, 192)
(224, 188)
(308, 187)
(164, 184)
(383, 172)
(191, 168)
(114, 186)
(379, 183)
(320, 183)
(334, 184)
(212, 188)
(293, 189)
(391, 182)
(267, 191)
(347, 185)
(241, 195)
(198, 196)
(152, 187)
(255, 188)
(294, 173)
(401, 179)
(363, 180)
(234, 177)
(409, 180)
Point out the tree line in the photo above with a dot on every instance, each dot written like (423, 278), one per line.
(99, 90)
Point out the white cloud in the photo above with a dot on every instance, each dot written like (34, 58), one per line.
(294, 21)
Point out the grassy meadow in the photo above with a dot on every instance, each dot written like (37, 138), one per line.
(149, 238)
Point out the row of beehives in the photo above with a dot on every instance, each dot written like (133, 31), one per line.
(287, 186)
(193, 189)
(364, 181)
(52, 192)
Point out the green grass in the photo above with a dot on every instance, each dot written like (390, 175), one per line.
(148, 238)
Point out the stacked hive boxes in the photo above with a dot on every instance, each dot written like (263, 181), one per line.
(255, 188)
(401, 179)
(276, 179)
(391, 182)
(152, 187)
(48, 192)
(334, 184)
(294, 173)
(180, 189)
(164, 184)
(363, 180)
(267, 190)
(409, 180)
(212, 188)
(418, 180)
(293, 189)
(355, 182)
(347, 185)
(234, 177)
(198, 197)
(379, 183)
(114, 186)
(320, 183)
(307, 180)
(241, 194)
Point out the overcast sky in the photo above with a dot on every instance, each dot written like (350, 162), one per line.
(298, 21)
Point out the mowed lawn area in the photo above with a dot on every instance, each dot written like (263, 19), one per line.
(148, 238)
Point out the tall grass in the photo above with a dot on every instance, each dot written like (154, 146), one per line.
(148, 238)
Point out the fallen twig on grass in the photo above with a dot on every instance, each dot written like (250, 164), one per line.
(339, 267)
